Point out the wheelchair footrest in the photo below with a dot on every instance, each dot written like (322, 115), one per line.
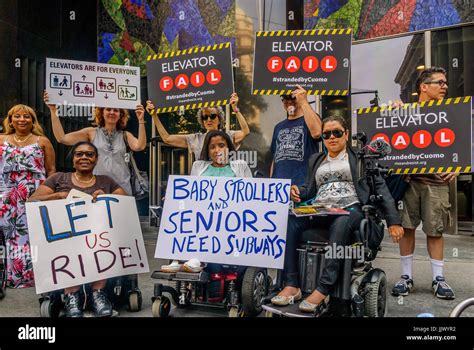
(193, 276)
(287, 311)
(163, 275)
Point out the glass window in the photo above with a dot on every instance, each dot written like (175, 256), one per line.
(262, 112)
(384, 70)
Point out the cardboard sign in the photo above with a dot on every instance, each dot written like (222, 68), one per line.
(104, 85)
(235, 221)
(426, 137)
(189, 79)
(318, 60)
(77, 241)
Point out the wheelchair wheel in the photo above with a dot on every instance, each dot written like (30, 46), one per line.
(376, 297)
(50, 308)
(161, 307)
(135, 301)
(254, 289)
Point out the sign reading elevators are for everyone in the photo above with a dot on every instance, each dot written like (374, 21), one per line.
(189, 79)
(426, 137)
(104, 85)
(318, 60)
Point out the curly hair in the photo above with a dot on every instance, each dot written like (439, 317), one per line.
(220, 113)
(7, 122)
(121, 124)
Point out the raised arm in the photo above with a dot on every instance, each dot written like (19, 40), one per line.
(241, 134)
(58, 131)
(173, 140)
(311, 118)
(139, 144)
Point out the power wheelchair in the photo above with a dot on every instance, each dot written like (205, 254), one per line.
(361, 289)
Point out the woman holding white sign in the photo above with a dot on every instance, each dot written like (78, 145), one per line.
(110, 138)
(26, 156)
(214, 161)
(210, 118)
(332, 181)
(58, 186)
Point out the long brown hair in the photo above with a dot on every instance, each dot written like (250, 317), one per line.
(7, 122)
(121, 124)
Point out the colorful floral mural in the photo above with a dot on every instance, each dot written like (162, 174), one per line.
(371, 19)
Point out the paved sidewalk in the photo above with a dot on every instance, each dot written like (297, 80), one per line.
(459, 268)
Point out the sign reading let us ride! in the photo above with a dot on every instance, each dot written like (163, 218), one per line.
(318, 60)
(426, 137)
(193, 78)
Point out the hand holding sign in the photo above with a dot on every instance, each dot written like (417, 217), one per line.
(140, 112)
(52, 107)
(301, 95)
(234, 99)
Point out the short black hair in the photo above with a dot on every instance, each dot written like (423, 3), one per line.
(207, 141)
(335, 118)
(287, 97)
(80, 143)
(427, 74)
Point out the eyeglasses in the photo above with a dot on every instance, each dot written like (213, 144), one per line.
(80, 154)
(337, 134)
(206, 117)
(441, 83)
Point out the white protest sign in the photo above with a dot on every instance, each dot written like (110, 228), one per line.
(104, 85)
(79, 242)
(234, 221)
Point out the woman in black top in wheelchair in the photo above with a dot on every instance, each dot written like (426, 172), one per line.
(333, 181)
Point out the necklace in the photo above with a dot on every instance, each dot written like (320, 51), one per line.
(20, 140)
(340, 156)
(84, 182)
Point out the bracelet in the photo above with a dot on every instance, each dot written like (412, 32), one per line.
(236, 110)
(143, 122)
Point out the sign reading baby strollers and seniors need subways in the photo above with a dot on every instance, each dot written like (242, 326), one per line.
(318, 60)
(193, 78)
(104, 85)
(232, 221)
(77, 241)
(426, 137)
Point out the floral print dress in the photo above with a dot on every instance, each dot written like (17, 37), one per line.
(22, 171)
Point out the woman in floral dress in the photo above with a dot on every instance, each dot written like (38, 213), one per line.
(26, 157)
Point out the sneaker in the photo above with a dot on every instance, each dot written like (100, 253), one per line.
(193, 265)
(175, 266)
(441, 289)
(403, 287)
(72, 304)
(101, 304)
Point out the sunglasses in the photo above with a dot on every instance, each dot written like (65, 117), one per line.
(287, 98)
(211, 116)
(441, 83)
(80, 154)
(337, 134)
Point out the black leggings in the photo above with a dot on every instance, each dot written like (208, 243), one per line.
(341, 232)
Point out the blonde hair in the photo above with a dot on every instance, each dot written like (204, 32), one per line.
(7, 122)
(121, 124)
